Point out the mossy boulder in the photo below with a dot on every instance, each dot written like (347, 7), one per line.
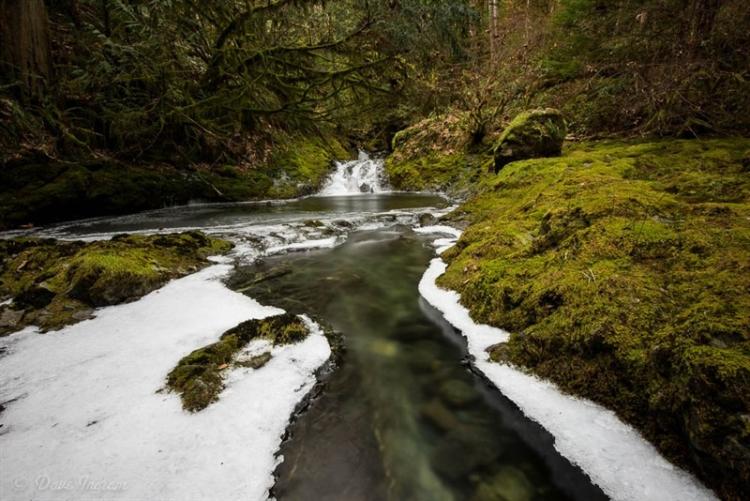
(436, 154)
(453, 173)
(55, 283)
(532, 134)
(198, 376)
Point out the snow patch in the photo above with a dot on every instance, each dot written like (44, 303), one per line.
(616, 457)
(440, 229)
(89, 421)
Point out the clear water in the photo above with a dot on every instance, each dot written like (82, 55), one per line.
(402, 417)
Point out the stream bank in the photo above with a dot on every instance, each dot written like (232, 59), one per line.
(43, 191)
(620, 270)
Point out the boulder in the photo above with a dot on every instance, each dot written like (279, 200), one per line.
(533, 134)
(427, 219)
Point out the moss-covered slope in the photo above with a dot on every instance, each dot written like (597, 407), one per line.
(623, 273)
(45, 192)
(54, 284)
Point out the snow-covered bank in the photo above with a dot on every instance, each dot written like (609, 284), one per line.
(88, 422)
(616, 457)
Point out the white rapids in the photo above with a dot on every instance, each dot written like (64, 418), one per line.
(363, 175)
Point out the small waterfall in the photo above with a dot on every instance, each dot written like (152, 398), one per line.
(363, 175)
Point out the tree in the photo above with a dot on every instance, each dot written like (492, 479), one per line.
(25, 61)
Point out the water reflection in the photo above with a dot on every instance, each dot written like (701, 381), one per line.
(211, 216)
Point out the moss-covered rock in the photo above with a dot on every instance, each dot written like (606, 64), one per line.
(301, 165)
(436, 155)
(532, 134)
(454, 173)
(623, 273)
(54, 284)
(198, 376)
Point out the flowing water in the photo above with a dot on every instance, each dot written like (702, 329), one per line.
(402, 416)
(364, 175)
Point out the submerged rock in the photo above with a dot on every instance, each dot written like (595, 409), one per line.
(427, 219)
(533, 134)
(439, 415)
(464, 450)
(457, 393)
(508, 484)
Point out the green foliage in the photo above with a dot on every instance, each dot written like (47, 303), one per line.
(679, 67)
(620, 270)
(184, 81)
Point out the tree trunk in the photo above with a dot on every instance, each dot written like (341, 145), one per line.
(24, 46)
(703, 17)
(493, 27)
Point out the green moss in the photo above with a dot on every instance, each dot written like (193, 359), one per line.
(301, 164)
(454, 173)
(58, 283)
(623, 271)
(198, 376)
(532, 134)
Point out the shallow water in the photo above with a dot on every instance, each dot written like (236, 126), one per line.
(403, 417)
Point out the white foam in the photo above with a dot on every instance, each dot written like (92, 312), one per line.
(89, 423)
(616, 457)
(323, 243)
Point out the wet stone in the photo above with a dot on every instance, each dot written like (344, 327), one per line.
(462, 451)
(427, 219)
(439, 415)
(9, 319)
(508, 484)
